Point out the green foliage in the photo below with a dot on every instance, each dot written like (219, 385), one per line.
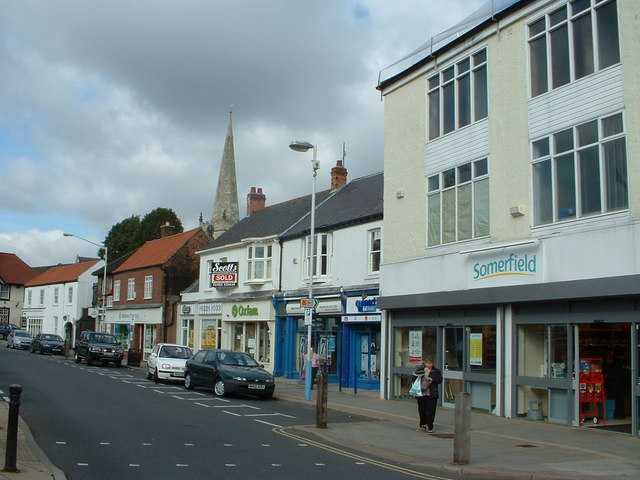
(131, 233)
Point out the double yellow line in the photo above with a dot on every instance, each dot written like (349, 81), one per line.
(371, 461)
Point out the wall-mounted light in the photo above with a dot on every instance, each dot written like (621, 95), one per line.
(400, 194)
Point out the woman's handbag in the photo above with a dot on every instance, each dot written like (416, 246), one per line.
(415, 389)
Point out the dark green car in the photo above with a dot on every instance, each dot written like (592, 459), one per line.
(228, 372)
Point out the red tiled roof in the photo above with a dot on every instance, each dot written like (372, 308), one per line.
(61, 274)
(156, 252)
(13, 271)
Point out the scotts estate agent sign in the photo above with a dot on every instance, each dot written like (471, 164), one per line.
(224, 274)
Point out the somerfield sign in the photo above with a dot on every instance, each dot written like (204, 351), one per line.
(224, 274)
(507, 267)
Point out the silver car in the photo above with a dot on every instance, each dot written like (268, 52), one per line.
(19, 339)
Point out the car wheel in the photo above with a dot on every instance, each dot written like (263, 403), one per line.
(266, 396)
(88, 359)
(156, 378)
(41, 352)
(119, 364)
(33, 350)
(188, 382)
(218, 388)
(149, 376)
(76, 357)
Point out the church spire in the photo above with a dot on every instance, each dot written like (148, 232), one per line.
(225, 208)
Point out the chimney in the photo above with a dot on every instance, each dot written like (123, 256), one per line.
(255, 200)
(166, 230)
(338, 176)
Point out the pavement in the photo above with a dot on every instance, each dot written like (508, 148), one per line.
(500, 448)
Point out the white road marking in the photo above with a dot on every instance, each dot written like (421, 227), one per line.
(202, 404)
(276, 464)
(229, 464)
(147, 444)
(188, 444)
(266, 445)
(82, 464)
(320, 464)
(182, 464)
(228, 444)
(270, 424)
(105, 443)
(61, 443)
(268, 415)
(231, 413)
(134, 464)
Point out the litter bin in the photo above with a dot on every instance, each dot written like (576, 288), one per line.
(134, 357)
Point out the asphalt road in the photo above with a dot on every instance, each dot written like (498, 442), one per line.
(103, 423)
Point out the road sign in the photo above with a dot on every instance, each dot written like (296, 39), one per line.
(308, 316)
(308, 302)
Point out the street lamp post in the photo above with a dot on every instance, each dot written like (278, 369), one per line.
(300, 146)
(102, 320)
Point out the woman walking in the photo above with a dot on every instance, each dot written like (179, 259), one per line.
(430, 378)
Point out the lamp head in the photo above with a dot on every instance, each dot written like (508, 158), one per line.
(301, 146)
(68, 234)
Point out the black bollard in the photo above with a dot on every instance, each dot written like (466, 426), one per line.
(12, 429)
(461, 435)
(321, 401)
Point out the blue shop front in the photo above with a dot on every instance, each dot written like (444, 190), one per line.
(345, 332)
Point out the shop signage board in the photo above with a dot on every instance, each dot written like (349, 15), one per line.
(505, 266)
(223, 274)
(324, 307)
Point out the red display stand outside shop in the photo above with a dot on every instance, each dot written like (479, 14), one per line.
(592, 397)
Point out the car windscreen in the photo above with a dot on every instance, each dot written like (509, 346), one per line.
(22, 334)
(169, 351)
(236, 359)
(51, 338)
(104, 339)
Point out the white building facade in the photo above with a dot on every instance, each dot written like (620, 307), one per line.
(512, 199)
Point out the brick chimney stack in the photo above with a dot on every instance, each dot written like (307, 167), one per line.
(255, 200)
(338, 176)
(166, 230)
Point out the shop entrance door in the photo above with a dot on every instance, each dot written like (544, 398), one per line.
(453, 358)
(635, 375)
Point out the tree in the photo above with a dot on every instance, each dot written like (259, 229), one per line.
(131, 233)
(150, 225)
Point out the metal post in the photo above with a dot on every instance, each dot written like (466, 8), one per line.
(12, 429)
(104, 292)
(312, 243)
(321, 400)
(461, 436)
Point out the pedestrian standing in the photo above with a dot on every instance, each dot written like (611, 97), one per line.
(430, 378)
(315, 365)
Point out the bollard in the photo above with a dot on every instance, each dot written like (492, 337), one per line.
(12, 429)
(461, 435)
(321, 401)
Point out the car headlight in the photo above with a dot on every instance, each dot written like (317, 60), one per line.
(166, 365)
(240, 379)
(95, 349)
(269, 380)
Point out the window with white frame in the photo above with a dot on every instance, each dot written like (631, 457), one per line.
(4, 315)
(5, 292)
(131, 289)
(116, 290)
(259, 262)
(580, 171)
(42, 297)
(34, 326)
(56, 294)
(29, 297)
(322, 256)
(458, 203)
(148, 286)
(56, 326)
(70, 295)
(374, 245)
(457, 95)
(571, 42)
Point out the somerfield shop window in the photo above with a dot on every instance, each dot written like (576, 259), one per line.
(576, 40)
(580, 171)
(458, 203)
(458, 95)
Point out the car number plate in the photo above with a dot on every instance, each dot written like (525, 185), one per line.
(255, 386)
(108, 354)
(177, 374)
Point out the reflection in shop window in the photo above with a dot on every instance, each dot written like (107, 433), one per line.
(542, 351)
(413, 345)
(482, 348)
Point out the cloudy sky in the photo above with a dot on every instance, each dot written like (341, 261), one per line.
(111, 109)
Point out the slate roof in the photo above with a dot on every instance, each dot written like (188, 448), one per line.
(61, 274)
(156, 252)
(14, 271)
(271, 220)
(359, 201)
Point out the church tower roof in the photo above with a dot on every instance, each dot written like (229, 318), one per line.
(225, 208)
